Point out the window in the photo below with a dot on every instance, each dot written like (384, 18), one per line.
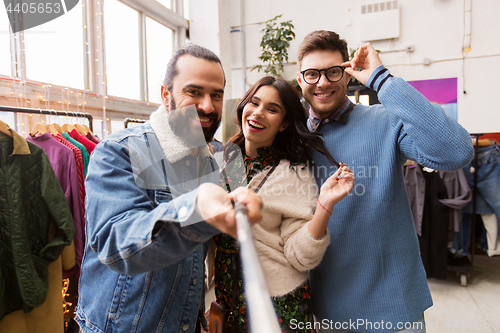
(8, 118)
(160, 44)
(116, 125)
(186, 9)
(123, 63)
(5, 60)
(166, 3)
(57, 44)
(100, 57)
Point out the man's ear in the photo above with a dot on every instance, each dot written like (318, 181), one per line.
(165, 97)
(299, 78)
(348, 77)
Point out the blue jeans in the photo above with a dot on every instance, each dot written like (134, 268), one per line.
(488, 181)
(418, 326)
(487, 192)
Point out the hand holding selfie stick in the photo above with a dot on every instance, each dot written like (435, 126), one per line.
(261, 311)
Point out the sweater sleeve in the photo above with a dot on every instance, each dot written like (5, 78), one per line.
(427, 135)
(301, 249)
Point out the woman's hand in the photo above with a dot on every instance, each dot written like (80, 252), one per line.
(336, 187)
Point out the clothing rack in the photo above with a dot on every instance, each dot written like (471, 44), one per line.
(126, 121)
(50, 113)
(462, 265)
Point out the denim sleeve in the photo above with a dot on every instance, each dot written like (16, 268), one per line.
(125, 229)
(426, 135)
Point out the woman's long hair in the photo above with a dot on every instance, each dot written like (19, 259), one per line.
(292, 143)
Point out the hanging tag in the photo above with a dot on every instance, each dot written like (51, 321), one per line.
(429, 170)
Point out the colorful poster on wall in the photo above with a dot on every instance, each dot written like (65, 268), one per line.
(440, 91)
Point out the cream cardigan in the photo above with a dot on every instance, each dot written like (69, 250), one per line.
(286, 248)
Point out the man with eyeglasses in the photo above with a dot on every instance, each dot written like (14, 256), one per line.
(371, 278)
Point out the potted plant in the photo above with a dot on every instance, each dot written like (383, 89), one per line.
(275, 43)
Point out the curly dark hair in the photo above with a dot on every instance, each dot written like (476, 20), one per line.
(294, 142)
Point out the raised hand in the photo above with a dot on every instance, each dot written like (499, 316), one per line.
(336, 187)
(367, 59)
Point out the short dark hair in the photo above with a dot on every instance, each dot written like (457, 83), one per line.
(322, 40)
(195, 51)
(295, 141)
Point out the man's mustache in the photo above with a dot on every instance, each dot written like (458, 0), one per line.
(210, 116)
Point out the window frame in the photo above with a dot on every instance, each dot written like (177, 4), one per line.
(17, 90)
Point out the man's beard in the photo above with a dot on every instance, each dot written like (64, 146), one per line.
(180, 120)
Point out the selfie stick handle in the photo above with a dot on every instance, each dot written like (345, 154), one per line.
(260, 308)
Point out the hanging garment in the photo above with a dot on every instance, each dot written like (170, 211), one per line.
(31, 201)
(493, 241)
(93, 138)
(459, 195)
(457, 189)
(83, 151)
(487, 193)
(63, 163)
(79, 166)
(89, 145)
(488, 181)
(435, 226)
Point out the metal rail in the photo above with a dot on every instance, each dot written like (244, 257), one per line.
(50, 113)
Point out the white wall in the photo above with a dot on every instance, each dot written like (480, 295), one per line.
(435, 29)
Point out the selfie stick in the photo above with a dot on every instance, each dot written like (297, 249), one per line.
(261, 311)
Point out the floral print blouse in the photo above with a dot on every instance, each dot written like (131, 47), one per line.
(296, 305)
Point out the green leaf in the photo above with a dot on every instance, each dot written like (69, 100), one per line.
(275, 41)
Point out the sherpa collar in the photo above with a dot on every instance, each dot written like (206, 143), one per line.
(173, 147)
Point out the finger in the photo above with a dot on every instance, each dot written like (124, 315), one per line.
(369, 48)
(346, 64)
(337, 173)
(254, 211)
(342, 170)
(348, 177)
(239, 195)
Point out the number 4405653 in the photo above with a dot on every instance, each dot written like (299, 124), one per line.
(33, 8)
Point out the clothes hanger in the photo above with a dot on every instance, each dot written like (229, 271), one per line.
(482, 142)
(58, 128)
(4, 128)
(88, 129)
(39, 129)
(81, 129)
(52, 129)
(68, 127)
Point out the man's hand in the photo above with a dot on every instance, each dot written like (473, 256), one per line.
(215, 206)
(367, 59)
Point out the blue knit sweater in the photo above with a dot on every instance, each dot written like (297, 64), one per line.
(372, 271)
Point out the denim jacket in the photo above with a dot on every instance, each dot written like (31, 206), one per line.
(143, 266)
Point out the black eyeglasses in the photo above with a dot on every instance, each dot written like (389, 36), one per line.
(312, 75)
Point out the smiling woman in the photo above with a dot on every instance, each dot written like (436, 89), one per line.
(262, 119)
(292, 236)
